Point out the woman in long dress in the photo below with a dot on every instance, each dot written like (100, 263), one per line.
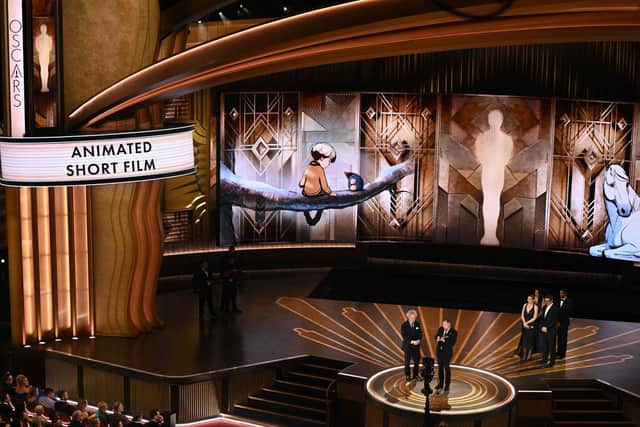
(528, 315)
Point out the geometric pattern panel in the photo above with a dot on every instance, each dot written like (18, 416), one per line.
(506, 181)
(588, 137)
(259, 142)
(395, 128)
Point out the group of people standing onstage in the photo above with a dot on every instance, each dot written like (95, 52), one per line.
(545, 327)
(445, 339)
(230, 278)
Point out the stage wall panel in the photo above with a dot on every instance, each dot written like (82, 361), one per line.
(147, 395)
(193, 407)
(103, 385)
(61, 375)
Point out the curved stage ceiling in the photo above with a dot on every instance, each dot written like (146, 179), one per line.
(359, 30)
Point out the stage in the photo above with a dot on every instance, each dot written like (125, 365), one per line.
(187, 352)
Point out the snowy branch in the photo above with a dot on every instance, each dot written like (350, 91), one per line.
(255, 195)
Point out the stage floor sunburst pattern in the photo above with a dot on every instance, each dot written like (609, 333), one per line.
(487, 340)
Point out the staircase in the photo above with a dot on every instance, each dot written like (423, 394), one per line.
(301, 397)
(584, 403)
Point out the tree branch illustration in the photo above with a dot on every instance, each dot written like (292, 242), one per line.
(256, 195)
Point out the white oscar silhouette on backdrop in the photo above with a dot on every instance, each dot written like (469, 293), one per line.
(44, 46)
(493, 149)
(623, 209)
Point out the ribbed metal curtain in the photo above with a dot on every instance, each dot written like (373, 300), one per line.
(598, 70)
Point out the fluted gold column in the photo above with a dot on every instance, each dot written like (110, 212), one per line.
(25, 211)
(82, 283)
(43, 260)
(62, 261)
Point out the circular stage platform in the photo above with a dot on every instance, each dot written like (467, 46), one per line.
(474, 393)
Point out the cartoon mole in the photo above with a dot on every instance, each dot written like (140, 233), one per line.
(354, 181)
(314, 181)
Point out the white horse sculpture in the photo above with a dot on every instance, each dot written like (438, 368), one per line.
(623, 209)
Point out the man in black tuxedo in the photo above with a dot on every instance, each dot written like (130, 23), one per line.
(445, 340)
(230, 274)
(564, 318)
(549, 331)
(411, 336)
(202, 285)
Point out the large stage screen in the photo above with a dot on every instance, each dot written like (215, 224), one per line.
(458, 169)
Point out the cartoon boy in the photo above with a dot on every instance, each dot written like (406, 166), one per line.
(314, 181)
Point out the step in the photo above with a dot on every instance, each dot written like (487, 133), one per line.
(311, 379)
(585, 404)
(573, 382)
(329, 363)
(577, 392)
(301, 388)
(584, 423)
(313, 368)
(284, 407)
(588, 415)
(259, 414)
(308, 401)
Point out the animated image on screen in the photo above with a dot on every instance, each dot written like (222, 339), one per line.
(290, 170)
(623, 229)
(459, 169)
(493, 171)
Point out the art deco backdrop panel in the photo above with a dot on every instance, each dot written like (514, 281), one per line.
(395, 128)
(493, 162)
(588, 137)
(259, 143)
(267, 139)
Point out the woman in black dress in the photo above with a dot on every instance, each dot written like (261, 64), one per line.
(528, 315)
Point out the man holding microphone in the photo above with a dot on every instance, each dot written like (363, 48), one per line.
(445, 340)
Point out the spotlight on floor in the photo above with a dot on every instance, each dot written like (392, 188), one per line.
(41, 342)
(58, 339)
(75, 338)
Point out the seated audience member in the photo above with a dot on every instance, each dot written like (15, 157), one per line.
(57, 423)
(22, 390)
(7, 384)
(48, 400)
(39, 419)
(21, 420)
(118, 415)
(155, 419)
(136, 421)
(83, 406)
(93, 421)
(62, 405)
(7, 409)
(32, 399)
(101, 414)
(77, 419)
